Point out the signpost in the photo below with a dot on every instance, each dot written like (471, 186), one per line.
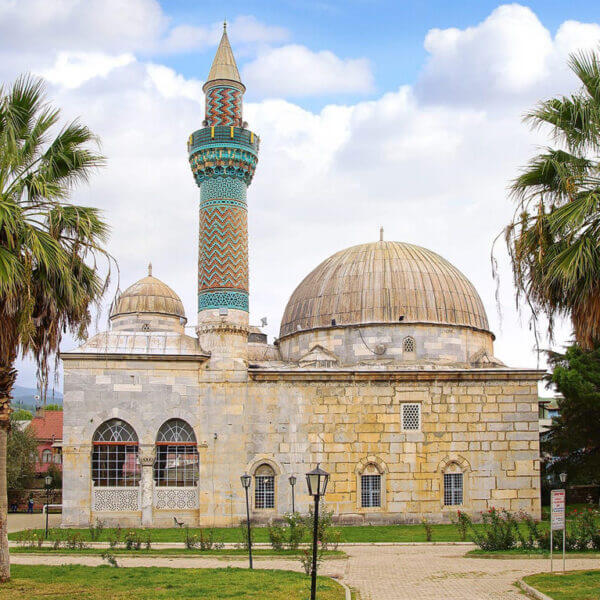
(557, 520)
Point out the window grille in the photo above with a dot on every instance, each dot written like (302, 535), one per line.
(115, 455)
(264, 487)
(177, 460)
(408, 345)
(370, 491)
(453, 489)
(411, 417)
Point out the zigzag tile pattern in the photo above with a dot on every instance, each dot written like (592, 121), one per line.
(223, 106)
(223, 258)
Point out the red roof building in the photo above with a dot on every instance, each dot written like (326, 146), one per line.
(47, 426)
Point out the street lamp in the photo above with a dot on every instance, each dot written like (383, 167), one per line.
(292, 480)
(246, 480)
(316, 481)
(563, 477)
(48, 482)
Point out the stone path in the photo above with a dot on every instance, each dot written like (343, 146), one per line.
(378, 572)
(19, 521)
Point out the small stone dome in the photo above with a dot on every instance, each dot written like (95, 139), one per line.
(148, 295)
(384, 282)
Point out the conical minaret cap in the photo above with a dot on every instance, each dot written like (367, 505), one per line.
(224, 66)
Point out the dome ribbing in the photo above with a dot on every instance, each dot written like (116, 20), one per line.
(381, 282)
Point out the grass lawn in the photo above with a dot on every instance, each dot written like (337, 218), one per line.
(225, 552)
(365, 533)
(518, 553)
(36, 582)
(573, 585)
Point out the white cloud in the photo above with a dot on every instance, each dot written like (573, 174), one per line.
(509, 57)
(115, 26)
(294, 70)
(71, 69)
(430, 162)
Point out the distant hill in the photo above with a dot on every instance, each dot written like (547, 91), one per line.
(25, 397)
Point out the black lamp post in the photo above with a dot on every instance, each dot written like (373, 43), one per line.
(316, 481)
(292, 480)
(48, 482)
(246, 480)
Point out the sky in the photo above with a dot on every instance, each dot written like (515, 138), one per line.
(406, 115)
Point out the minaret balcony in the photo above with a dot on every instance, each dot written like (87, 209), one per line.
(223, 135)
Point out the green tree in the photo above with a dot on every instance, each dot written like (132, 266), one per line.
(48, 247)
(574, 436)
(553, 239)
(21, 415)
(21, 454)
(53, 407)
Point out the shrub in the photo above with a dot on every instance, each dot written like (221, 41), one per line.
(332, 539)
(96, 530)
(244, 532)
(462, 522)
(325, 521)
(133, 540)
(306, 558)
(277, 535)
(296, 530)
(428, 529)
(109, 557)
(498, 531)
(114, 537)
(74, 541)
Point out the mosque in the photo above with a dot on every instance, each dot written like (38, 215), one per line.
(383, 372)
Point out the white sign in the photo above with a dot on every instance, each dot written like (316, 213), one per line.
(557, 507)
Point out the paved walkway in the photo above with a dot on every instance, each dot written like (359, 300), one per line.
(378, 572)
(19, 521)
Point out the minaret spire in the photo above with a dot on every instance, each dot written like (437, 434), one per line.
(224, 65)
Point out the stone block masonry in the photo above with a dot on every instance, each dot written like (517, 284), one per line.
(350, 422)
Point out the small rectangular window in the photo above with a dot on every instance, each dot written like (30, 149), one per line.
(411, 417)
(453, 489)
(370, 491)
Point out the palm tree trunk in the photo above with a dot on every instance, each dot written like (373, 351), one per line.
(8, 376)
(4, 553)
(585, 317)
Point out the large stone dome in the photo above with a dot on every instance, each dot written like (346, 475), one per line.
(148, 295)
(384, 282)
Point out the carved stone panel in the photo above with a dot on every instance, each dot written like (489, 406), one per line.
(172, 498)
(116, 499)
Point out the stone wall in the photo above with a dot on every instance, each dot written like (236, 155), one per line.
(439, 344)
(483, 423)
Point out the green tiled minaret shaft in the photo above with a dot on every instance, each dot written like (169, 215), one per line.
(223, 156)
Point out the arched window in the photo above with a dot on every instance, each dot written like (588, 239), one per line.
(47, 456)
(408, 345)
(115, 455)
(453, 485)
(370, 487)
(264, 487)
(176, 462)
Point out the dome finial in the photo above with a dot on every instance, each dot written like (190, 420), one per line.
(381, 234)
(149, 269)
(225, 24)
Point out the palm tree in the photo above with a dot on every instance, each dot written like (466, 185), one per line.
(48, 247)
(554, 237)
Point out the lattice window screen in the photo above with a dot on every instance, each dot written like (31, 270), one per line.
(411, 417)
(453, 489)
(408, 345)
(264, 490)
(370, 491)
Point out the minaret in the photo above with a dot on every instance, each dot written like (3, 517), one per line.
(223, 156)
